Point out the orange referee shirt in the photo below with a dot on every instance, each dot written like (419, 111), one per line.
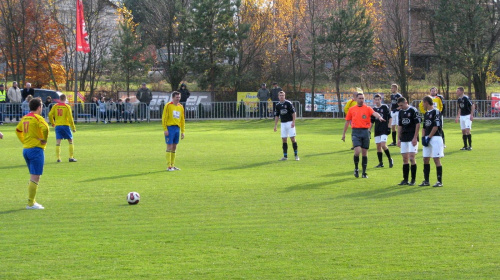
(360, 116)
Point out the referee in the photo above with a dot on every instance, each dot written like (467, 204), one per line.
(359, 117)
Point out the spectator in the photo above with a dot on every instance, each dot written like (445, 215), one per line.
(102, 109)
(95, 107)
(263, 96)
(47, 106)
(144, 96)
(15, 99)
(28, 90)
(25, 106)
(184, 95)
(3, 100)
(275, 94)
(128, 110)
(110, 109)
(119, 110)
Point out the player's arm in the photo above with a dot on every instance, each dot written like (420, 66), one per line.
(164, 119)
(440, 106)
(472, 111)
(19, 131)
(421, 107)
(183, 123)
(276, 118)
(458, 115)
(52, 113)
(378, 116)
(70, 119)
(346, 125)
(293, 119)
(44, 131)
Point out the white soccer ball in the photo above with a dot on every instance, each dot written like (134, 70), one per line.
(133, 197)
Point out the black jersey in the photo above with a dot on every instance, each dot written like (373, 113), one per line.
(285, 111)
(432, 118)
(394, 101)
(408, 120)
(382, 128)
(465, 105)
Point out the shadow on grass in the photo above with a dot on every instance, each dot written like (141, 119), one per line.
(257, 164)
(13, 167)
(313, 186)
(121, 176)
(386, 192)
(11, 211)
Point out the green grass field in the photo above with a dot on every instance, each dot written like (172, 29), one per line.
(236, 212)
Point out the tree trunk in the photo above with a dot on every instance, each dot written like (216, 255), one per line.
(479, 80)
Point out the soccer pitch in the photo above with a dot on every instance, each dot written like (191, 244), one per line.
(235, 212)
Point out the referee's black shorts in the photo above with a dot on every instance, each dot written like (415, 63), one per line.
(361, 138)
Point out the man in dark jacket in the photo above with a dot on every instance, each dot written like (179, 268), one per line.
(184, 95)
(275, 94)
(28, 90)
(144, 96)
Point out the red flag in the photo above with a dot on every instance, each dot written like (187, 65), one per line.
(82, 38)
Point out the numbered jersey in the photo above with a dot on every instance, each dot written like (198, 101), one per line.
(31, 130)
(61, 114)
(173, 115)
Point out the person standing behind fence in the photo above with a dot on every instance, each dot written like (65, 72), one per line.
(119, 110)
(61, 118)
(144, 96)
(28, 90)
(128, 110)
(465, 115)
(263, 96)
(102, 110)
(47, 105)
(33, 132)
(3, 101)
(185, 94)
(25, 106)
(275, 91)
(395, 95)
(15, 99)
(173, 122)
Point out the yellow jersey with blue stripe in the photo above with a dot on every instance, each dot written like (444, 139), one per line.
(438, 104)
(61, 114)
(173, 115)
(32, 130)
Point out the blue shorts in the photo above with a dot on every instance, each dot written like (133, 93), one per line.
(34, 158)
(63, 132)
(173, 135)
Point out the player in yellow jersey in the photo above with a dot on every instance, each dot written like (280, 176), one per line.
(436, 100)
(61, 117)
(173, 125)
(33, 132)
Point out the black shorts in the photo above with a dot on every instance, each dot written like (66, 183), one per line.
(360, 138)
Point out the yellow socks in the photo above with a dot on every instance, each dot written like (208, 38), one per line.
(58, 151)
(71, 150)
(169, 158)
(172, 158)
(32, 193)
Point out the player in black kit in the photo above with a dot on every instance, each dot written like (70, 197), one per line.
(432, 141)
(395, 95)
(408, 127)
(465, 115)
(382, 130)
(285, 111)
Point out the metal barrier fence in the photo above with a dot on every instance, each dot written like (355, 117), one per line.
(92, 112)
(484, 108)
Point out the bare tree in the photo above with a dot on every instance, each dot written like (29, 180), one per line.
(393, 40)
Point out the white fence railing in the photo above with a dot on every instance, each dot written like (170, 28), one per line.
(91, 112)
